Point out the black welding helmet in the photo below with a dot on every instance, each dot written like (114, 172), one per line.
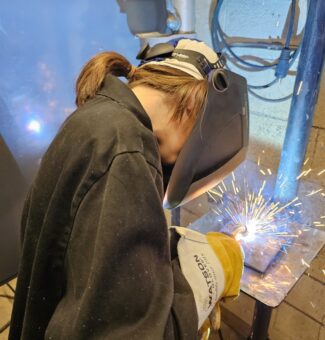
(219, 139)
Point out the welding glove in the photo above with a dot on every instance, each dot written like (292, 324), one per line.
(212, 265)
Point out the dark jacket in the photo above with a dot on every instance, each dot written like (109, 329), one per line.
(96, 258)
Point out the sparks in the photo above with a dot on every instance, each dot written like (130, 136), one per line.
(313, 192)
(283, 183)
(303, 262)
(215, 193)
(209, 193)
(299, 87)
(255, 219)
(307, 172)
(233, 186)
(215, 211)
(287, 268)
(254, 214)
(302, 174)
(262, 188)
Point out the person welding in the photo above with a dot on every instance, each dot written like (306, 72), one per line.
(97, 261)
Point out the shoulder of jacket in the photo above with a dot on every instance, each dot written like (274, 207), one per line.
(112, 129)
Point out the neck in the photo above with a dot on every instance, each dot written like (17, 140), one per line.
(156, 106)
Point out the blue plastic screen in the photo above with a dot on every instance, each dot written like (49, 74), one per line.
(43, 45)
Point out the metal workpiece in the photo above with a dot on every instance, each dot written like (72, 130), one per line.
(304, 98)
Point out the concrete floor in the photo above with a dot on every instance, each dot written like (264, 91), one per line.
(5, 307)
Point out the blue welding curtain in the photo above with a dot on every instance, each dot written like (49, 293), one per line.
(43, 45)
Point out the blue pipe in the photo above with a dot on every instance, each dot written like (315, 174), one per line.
(291, 23)
(303, 102)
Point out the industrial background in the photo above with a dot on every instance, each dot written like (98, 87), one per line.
(44, 45)
(302, 314)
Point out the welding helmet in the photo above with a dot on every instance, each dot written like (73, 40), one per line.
(219, 139)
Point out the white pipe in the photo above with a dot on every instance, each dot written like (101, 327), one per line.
(186, 11)
(154, 38)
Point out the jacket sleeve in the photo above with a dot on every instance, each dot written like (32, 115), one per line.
(120, 281)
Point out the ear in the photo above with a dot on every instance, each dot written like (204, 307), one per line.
(190, 106)
(191, 103)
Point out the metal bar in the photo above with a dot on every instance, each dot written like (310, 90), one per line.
(273, 46)
(176, 217)
(303, 102)
(261, 321)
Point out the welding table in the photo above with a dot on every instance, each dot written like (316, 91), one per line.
(269, 289)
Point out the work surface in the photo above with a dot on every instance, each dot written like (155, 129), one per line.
(274, 285)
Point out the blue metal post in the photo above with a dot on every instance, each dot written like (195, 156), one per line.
(303, 102)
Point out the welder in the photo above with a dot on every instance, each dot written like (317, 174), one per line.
(97, 262)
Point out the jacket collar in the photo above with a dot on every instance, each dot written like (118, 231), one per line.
(115, 89)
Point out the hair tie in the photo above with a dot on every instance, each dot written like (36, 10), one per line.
(131, 72)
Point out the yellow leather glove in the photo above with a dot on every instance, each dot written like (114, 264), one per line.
(231, 256)
(212, 264)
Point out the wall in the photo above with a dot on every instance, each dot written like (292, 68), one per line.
(262, 19)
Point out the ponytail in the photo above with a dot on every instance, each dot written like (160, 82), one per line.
(93, 74)
(180, 86)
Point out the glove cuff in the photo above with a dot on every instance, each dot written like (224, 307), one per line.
(202, 269)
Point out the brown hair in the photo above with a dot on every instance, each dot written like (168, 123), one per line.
(180, 86)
